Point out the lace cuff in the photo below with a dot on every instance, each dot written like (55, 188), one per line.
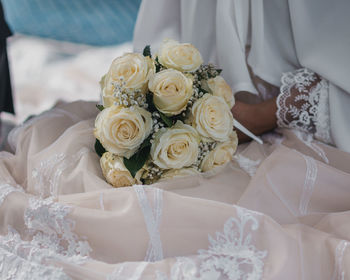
(303, 104)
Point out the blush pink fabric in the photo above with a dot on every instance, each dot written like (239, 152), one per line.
(278, 211)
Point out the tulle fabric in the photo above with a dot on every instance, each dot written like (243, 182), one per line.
(277, 211)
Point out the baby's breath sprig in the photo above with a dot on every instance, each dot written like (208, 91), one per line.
(196, 80)
(158, 124)
(197, 94)
(207, 71)
(127, 97)
(152, 174)
(204, 149)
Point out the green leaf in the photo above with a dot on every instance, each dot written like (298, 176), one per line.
(166, 120)
(147, 51)
(158, 65)
(149, 100)
(137, 161)
(100, 107)
(100, 150)
(145, 143)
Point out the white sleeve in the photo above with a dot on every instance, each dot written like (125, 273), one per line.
(232, 25)
(157, 20)
(339, 104)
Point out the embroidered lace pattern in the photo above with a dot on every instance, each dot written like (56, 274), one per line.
(309, 184)
(47, 175)
(23, 260)
(49, 238)
(303, 104)
(338, 273)
(231, 255)
(152, 219)
(48, 224)
(248, 165)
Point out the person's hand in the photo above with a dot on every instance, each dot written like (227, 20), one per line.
(258, 118)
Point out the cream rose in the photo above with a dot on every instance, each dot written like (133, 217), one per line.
(219, 87)
(221, 154)
(171, 91)
(212, 118)
(178, 173)
(116, 173)
(175, 147)
(182, 57)
(121, 130)
(133, 68)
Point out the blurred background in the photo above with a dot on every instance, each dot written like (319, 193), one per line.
(61, 48)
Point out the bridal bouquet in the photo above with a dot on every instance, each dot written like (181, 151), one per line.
(163, 116)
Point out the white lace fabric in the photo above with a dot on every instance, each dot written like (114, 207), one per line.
(49, 237)
(303, 104)
(23, 260)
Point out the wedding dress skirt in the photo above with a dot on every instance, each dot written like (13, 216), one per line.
(278, 211)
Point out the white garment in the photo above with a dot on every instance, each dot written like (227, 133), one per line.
(283, 35)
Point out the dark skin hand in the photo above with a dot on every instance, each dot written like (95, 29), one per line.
(258, 118)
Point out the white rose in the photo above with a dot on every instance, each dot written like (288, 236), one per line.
(115, 172)
(212, 118)
(182, 57)
(175, 147)
(178, 173)
(219, 87)
(221, 154)
(134, 69)
(171, 91)
(121, 130)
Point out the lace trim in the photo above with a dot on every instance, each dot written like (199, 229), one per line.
(231, 255)
(151, 255)
(312, 112)
(47, 175)
(248, 165)
(51, 237)
(152, 220)
(23, 260)
(309, 184)
(50, 228)
(339, 273)
(5, 190)
(323, 123)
